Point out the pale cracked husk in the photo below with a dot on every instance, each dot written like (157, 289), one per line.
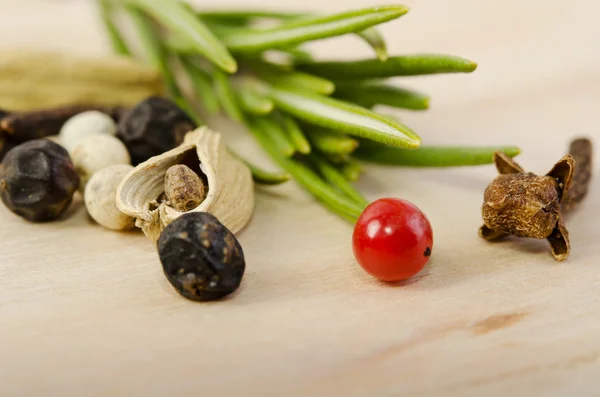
(230, 195)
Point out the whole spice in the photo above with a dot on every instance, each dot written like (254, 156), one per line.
(201, 258)
(100, 198)
(229, 187)
(36, 124)
(32, 79)
(184, 189)
(97, 152)
(154, 126)
(5, 145)
(581, 150)
(392, 239)
(523, 204)
(86, 124)
(38, 180)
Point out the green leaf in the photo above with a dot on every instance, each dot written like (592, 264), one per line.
(276, 134)
(117, 41)
(383, 94)
(308, 29)
(262, 176)
(283, 76)
(240, 18)
(406, 65)
(297, 54)
(202, 84)
(374, 39)
(252, 101)
(432, 156)
(344, 117)
(227, 15)
(351, 170)
(177, 17)
(153, 49)
(338, 180)
(309, 180)
(226, 95)
(338, 159)
(331, 142)
(296, 135)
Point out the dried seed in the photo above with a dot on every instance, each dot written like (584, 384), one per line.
(26, 126)
(97, 152)
(184, 189)
(85, 124)
(523, 204)
(38, 180)
(154, 126)
(100, 198)
(201, 258)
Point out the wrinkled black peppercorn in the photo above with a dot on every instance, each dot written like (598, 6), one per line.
(201, 258)
(152, 127)
(38, 180)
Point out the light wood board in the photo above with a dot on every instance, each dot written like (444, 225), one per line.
(88, 312)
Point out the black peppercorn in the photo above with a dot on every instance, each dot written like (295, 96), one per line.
(152, 127)
(38, 180)
(201, 258)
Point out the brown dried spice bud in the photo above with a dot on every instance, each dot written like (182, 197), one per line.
(184, 189)
(523, 204)
(581, 150)
(26, 126)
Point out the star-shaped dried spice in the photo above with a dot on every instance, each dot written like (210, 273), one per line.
(524, 204)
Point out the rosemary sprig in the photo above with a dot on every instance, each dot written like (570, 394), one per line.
(179, 18)
(406, 65)
(432, 156)
(382, 94)
(313, 118)
(344, 117)
(308, 29)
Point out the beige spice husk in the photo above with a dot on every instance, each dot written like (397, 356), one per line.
(32, 79)
(230, 195)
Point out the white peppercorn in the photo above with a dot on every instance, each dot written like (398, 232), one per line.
(83, 125)
(100, 198)
(97, 152)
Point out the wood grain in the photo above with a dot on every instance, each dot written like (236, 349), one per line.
(88, 312)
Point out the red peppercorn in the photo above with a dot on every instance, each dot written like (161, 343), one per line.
(392, 239)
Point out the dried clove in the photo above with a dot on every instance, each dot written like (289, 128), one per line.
(581, 150)
(184, 189)
(201, 258)
(25, 126)
(523, 204)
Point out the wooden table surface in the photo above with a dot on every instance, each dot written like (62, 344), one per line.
(88, 312)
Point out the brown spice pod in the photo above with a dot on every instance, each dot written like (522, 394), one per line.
(523, 204)
(26, 126)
